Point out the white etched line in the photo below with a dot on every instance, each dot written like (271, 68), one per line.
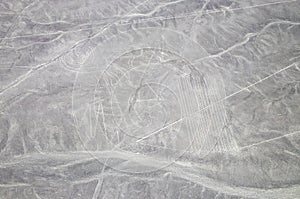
(221, 100)
(270, 140)
(159, 130)
(150, 19)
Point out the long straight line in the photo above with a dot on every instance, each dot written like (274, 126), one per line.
(151, 19)
(269, 140)
(221, 100)
(25, 76)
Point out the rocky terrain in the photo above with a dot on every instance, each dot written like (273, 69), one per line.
(150, 99)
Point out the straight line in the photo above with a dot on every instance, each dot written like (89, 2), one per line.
(213, 11)
(159, 130)
(221, 100)
(269, 140)
(150, 19)
(25, 76)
